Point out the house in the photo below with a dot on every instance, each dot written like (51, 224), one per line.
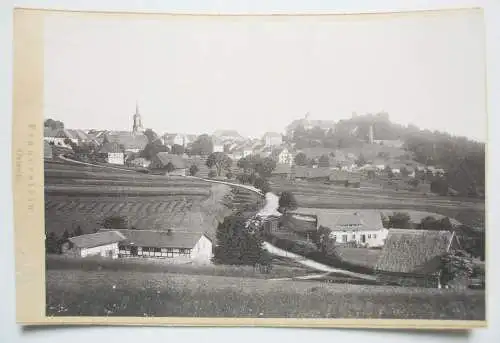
(171, 139)
(218, 144)
(47, 151)
(345, 178)
(139, 162)
(272, 139)
(282, 171)
(103, 244)
(132, 142)
(191, 246)
(312, 174)
(112, 153)
(162, 159)
(59, 137)
(363, 228)
(282, 156)
(413, 257)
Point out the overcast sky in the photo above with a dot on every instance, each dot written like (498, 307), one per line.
(257, 74)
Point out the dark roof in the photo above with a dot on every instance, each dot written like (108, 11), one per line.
(282, 169)
(164, 158)
(129, 140)
(298, 222)
(341, 175)
(162, 239)
(414, 251)
(97, 239)
(308, 172)
(367, 220)
(109, 147)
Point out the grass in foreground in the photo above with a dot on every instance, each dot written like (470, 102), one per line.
(80, 293)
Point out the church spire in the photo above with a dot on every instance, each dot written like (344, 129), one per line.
(137, 126)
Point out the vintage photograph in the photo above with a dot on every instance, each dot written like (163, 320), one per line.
(315, 167)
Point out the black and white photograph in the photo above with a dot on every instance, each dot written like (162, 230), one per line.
(288, 166)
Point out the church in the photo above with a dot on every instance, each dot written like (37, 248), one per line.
(134, 141)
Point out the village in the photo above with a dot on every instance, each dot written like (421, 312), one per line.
(384, 241)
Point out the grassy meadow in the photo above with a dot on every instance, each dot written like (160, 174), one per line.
(124, 293)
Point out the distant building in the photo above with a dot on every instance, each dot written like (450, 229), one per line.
(103, 244)
(272, 139)
(190, 246)
(312, 174)
(231, 135)
(413, 257)
(363, 228)
(282, 156)
(308, 124)
(345, 178)
(396, 143)
(171, 139)
(162, 159)
(282, 171)
(139, 162)
(59, 137)
(112, 153)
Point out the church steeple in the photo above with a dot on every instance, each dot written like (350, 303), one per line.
(137, 127)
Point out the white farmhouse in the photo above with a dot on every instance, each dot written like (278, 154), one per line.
(103, 244)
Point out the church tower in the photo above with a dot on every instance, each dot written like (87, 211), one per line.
(137, 128)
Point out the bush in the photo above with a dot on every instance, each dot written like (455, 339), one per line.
(229, 175)
(193, 170)
(212, 174)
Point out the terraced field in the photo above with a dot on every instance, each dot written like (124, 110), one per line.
(83, 196)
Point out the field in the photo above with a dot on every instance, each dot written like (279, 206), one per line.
(318, 195)
(121, 293)
(83, 196)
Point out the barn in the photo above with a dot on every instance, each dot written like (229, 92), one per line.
(413, 257)
(103, 244)
(189, 246)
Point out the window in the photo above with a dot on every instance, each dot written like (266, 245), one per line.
(369, 236)
(353, 236)
(157, 249)
(170, 252)
(374, 236)
(344, 238)
(334, 238)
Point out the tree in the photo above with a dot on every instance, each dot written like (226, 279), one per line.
(151, 135)
(115, 222)
(324, 161)
(53, 124)
(151, 149)
(212, 174)
(456, 265)
(178, 149)
(169, 167)
(229, 175)
(404, 171)
(439, 186)
(325, 243)
(78, 231)
(287, 202)
(399, 220)
(236, 246)
(300, 159)
(193, 170)
(220, 161)
(414, 182)
(262, 184)
(203, 145)
(52, 244)
(265, 167)
(68, 141)
(361, 161)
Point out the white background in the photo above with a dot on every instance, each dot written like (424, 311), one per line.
(10, 332)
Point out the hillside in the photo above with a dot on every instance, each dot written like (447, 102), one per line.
(376, 137)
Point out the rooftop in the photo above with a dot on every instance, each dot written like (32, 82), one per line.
(97, 239)
(161, 239)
